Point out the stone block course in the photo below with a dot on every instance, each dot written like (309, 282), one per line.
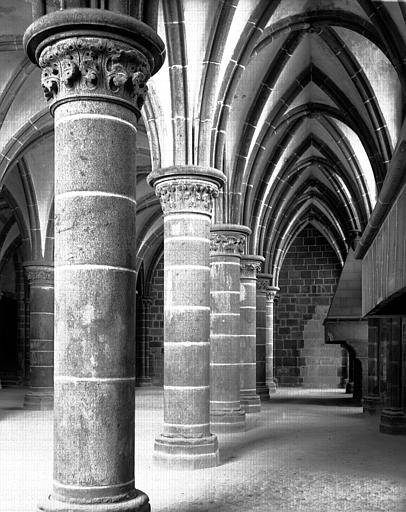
(307, 282)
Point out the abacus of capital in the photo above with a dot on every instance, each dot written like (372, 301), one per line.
(227, 243)
(270, 300)
(186, 194)
(250, 265)
(95, 65)
(40, 277)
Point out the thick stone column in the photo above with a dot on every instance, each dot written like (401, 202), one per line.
(372, 401)
(40, 394)
(227, 244)
(250, 265)
(144, 378)
(393, 417)
(270, 318)
(95, 65)
(263, 283)
(186, 194)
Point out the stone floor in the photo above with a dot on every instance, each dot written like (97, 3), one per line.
(309, 450)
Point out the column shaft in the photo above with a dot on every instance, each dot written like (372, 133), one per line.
(96, 84)
(270, 318)
(250, 401)
(40, 394)
(262, 388)
(393, 417)
(227, 242)
(186, 195)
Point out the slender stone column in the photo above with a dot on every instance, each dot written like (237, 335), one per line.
(393, 417)
(270, 318)
(263, 283)
(227, 244)
(96, 84)
(144, 379)
(40, 394)
(186, 194)
(250, 265)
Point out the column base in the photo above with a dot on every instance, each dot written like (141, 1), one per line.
(186, 453)
(250, 403)
(371, 404)
(138, 504)
(144, 382)
(222, 422)
(263, 392)
(393, 421)
(39, 400)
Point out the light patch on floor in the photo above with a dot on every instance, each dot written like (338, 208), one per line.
(307, 451)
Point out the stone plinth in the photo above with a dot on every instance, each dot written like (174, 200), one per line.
(95, 65)
(250, 265)
(227, 244)
(393, 421)
(40, 394)
(186, 194)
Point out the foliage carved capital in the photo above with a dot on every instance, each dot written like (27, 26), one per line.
(222, 243)
(38, 275)
(186, 195)
(94, 66)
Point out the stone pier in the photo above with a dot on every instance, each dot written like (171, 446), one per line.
(270, 319)
(186, 194)
(263, 281)
(227, 244)
(95, 65)
(40, 394)
(250, 265)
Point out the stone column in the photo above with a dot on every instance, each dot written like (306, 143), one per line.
(40, 394)
(263, 282)
(144, 379)
(227, 244)
(95, 65)
(270, 319)
(372, 401)
(250, 265)
(186, 194)
(393, 417)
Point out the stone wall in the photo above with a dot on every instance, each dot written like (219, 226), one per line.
(155, 325)
(307, 282)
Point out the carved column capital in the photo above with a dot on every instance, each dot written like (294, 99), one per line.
(271, 293)
(39, 275)
(94, 66)
(264, 281)
(251, 265)
(186, 188)
(228, 239)
(94, 53)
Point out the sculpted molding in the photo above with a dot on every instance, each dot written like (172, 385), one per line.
(94, 66)
(186, 195)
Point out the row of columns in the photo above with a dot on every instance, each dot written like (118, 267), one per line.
(95, 66)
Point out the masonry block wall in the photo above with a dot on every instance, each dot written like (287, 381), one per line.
(155, 325)
(307, 282)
